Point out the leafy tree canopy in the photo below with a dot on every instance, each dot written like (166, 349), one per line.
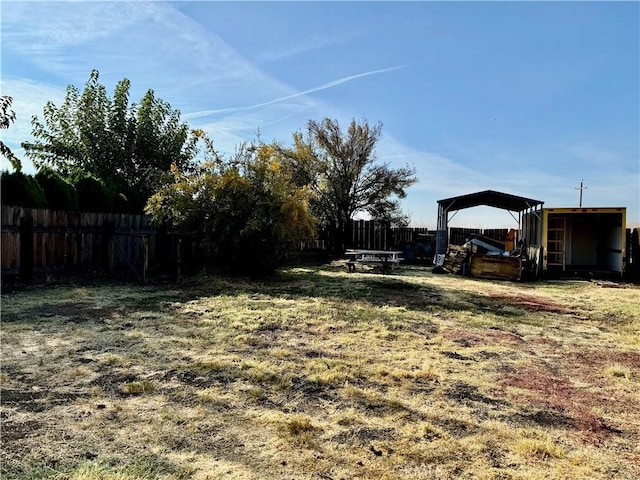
(130, 147)
(248, 208)
(7, 117)
(342, 172)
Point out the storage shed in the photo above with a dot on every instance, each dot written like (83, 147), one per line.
(557, 241)
(580, 240)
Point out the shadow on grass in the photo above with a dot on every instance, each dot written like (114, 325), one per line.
(124, 299)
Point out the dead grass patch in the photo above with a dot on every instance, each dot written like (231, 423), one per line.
(317, 373)
(568, 405)
(526, 302)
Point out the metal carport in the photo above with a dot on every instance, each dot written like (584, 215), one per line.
(491, 198)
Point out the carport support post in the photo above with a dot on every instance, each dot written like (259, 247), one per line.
(442, 234)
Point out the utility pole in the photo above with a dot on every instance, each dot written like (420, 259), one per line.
(581, 188)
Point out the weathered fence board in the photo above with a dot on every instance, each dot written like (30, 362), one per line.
(51, 243)
(632, 257)
(370, 235)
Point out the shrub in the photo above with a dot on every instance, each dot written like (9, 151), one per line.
(94, 195)
(60, 194)
(21, 190)
(249, 210)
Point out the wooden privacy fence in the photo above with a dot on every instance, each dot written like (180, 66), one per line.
(370, 235)
(40, 246)
(417, 243)
(381, 235)
(373, 235)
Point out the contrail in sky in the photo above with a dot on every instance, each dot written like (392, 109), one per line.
(324, 86)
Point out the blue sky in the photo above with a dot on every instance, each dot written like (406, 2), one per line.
(521, 97)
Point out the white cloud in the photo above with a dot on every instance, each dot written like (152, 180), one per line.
(304, 93)
(315, 42)
(43, 27)
(158, 45)
(591, 156)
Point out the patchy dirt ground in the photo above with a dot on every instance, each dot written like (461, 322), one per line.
(316, 373)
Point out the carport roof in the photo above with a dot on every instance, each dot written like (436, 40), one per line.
(491, 198)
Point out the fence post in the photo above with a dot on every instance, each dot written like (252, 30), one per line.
(26, 250)
(145, 258)
(634, 251)
(108, 239)
(179, 260)
(387, 236)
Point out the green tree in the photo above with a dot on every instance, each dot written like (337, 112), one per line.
(7, 117)
(128, 147)
(342, 172)
(248, 208)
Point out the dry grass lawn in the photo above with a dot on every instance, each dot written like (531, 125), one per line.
(320, 374)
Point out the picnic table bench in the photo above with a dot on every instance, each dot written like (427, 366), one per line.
(387, 259)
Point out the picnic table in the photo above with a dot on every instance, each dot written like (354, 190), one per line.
(386, 259)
